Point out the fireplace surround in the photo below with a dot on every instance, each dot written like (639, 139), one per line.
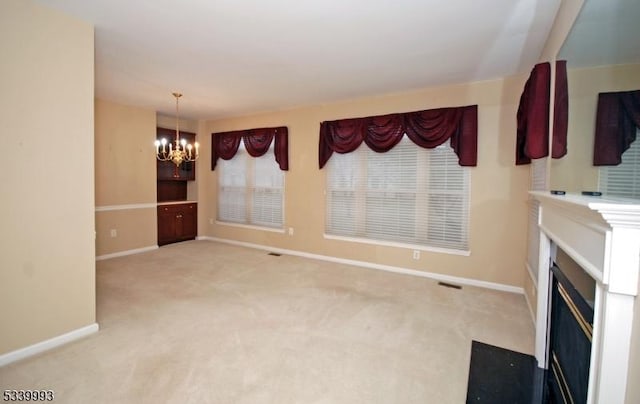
(602, 235)
(570, 333)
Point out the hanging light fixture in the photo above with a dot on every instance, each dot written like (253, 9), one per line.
(182, 151)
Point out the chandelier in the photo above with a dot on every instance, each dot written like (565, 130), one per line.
(182, 151)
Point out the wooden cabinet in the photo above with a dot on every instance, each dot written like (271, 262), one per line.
(177, 222)
(166, 170)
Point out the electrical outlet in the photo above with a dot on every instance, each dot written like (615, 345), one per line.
(416, 254)
(114, 233)
(210, 220)
(291, 231)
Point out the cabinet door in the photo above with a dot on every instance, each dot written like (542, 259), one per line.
(177, 223)
(166, 225)
(190, 221)
(166, 170)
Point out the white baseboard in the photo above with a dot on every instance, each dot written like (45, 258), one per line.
(371, 265)
(126, 252)
(48, 344)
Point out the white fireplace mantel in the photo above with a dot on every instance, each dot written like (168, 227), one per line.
(603, 236)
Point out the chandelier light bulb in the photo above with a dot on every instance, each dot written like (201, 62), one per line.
(180, 154)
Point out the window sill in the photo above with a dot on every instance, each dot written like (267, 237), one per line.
(251, 227)
(442, 250)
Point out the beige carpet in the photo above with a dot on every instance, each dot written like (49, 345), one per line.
(202, 322)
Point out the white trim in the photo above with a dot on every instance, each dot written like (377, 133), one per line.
(365, 264)
(48, 344)
(108, 208)
(126, 252)
(465, 253)
(175, 203)
(542, 303)
(533, 279)
(251, 226)
(588, 267)
(533, 315)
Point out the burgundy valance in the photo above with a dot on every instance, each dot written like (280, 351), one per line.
(256, 141)
(428, 129)
(617, 120)
(532, 141)
(560, 111)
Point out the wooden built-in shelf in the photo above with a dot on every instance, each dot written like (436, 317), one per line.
(177, 217)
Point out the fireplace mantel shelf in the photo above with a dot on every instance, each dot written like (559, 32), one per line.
(615, 211)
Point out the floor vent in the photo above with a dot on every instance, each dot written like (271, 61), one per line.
(449, 285)
(274, 254)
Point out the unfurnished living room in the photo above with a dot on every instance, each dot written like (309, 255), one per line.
(414, 201)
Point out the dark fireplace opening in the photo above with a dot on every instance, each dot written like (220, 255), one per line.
(571, 329)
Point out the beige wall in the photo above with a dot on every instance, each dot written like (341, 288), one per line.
(125, 161)
(135, 228)
(47, 272)
(575, 172)
(125, 174)
(498, 187)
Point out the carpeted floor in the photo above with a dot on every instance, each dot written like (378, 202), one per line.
(203, 322)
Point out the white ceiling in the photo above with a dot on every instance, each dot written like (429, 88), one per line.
(235, 57)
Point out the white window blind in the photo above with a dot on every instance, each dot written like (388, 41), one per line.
(408, 195)
(537, 182)
(538, 174)
(250, 190)
(623, 179)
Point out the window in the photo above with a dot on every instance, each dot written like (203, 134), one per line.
(409, 195)
(250, 190)
(623, 179)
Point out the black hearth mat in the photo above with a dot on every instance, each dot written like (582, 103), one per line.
(498, 375)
